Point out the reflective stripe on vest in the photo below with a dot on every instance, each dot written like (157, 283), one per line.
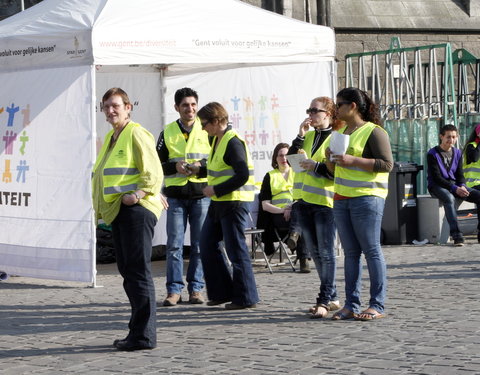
(299, 176)
(355, 182)
(218, 171)
(318, 189)
(120, 174)
(195, 148)
(471, 171)
(281, 188)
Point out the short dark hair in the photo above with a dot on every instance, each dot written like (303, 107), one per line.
(185, 92)
(448, 128)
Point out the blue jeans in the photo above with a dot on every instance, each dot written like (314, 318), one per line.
(359, 224)
(179, 210)
(239, 286)
(449, 205)
(318, 231)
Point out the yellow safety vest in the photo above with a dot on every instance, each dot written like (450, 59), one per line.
(120, 174)
(218, 171)
(357, 182)
(281, 188)
(299, 176)
(196, 148)
(471, 171)
(318, 189)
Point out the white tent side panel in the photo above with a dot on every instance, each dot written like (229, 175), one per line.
(45, 160)
(265, 104)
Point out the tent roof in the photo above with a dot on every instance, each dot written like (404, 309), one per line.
(123, 32)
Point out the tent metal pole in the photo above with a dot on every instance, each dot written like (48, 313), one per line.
(93, 79)
(22, 4)
(163, 102)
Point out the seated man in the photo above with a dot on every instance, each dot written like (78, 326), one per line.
(446, 180)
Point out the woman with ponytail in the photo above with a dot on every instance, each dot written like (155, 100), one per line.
(361, 186)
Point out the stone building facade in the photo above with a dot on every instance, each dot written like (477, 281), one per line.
(369, 25)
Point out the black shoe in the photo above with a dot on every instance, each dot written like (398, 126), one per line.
(217, 302)
(117, 341)
(458, 241)
(130, 346)
(234, 306)
(478, 237)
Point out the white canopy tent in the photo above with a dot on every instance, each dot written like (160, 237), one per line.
(58, 58)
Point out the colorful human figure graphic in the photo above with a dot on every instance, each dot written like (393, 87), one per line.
(235, 102)
(9, 138)
(11, 114)
(22, 168)
(7, 174)
(23, 140)
(262, 120)
(236, 120)
(250, 121)
(263, 137)
(247, 102)
(263, 103)
(26, 115)
(274, 100)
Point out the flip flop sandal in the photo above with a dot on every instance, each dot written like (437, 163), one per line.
(342, 315)
(317, 314)
(366, 316)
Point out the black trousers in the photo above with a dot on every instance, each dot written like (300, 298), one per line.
(132, 232)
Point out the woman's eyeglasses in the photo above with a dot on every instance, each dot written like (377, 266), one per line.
(315, 110)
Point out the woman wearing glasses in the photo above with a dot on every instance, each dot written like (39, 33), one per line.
(126, 183)
(361, 186)
(315, 189)
(231, 186)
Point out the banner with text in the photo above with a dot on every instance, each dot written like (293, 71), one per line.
(45, 165)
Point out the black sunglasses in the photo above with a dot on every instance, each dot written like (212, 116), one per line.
(339, 104)
(315, 110)
(204, 124)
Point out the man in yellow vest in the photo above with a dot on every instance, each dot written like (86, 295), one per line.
(183, 147)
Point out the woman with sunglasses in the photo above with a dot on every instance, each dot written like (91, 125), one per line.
(361, 186)
(231, 186)
(314, 207)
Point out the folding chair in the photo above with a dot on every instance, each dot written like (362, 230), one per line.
(284, 258)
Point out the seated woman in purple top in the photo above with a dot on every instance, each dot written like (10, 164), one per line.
(446, 180)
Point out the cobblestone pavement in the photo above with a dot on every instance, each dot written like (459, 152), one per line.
(432, 327)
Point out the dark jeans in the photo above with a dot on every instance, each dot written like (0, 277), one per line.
(302, 250)
(449, 205)
(318, 231)
(132, 232)
(229, 226)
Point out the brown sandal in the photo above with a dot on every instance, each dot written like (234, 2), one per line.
(344, 314)
(317, 313)
(366, 316)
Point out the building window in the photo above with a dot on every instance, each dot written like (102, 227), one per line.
(273, 5)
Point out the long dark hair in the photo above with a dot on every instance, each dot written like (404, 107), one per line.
(276, 150)
(367, 109)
